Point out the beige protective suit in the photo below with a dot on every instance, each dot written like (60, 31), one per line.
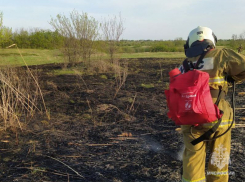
(217, 62)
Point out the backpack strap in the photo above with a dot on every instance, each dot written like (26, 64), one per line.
(188, 65)
(200, 59)
(208, 133)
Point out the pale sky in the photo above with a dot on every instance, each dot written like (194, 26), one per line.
(143, 19)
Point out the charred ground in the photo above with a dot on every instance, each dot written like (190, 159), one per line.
(93, 137)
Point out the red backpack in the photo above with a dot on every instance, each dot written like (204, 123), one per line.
(190, 102)
(189, 99)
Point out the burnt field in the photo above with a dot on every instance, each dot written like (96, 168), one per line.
(93, 136)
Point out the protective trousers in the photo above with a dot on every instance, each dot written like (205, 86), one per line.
(194, 157)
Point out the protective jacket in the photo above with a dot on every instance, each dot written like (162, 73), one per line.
(220, 63)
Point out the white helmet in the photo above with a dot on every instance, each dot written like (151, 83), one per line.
(198, 40)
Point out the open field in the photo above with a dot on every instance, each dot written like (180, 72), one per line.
(32, 57)
(153, 55)
(93, 136)
(37, 56)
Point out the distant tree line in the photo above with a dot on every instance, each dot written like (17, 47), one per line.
(32, 38)
(238, 40)
(134, 46)
(176, 45)
(35, 39)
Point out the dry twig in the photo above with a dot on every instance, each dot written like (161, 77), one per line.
(64, 165)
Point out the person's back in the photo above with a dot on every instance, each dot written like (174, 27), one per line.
(219, 63)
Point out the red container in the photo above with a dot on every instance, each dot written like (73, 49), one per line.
(174, 72)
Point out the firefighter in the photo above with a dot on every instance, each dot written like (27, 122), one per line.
(218, 63)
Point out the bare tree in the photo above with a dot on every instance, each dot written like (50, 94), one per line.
(79, 32)
(86, 29)
(237, 41)
(64, 26)
(242, 36)
(112, 30)
(234, 37)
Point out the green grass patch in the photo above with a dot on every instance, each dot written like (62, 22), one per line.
(12, 57)
(147, 85)
(153, 55)
(65, 72)
(103, 76)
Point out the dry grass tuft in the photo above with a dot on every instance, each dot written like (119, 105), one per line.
(121, 74)
(20, 94)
